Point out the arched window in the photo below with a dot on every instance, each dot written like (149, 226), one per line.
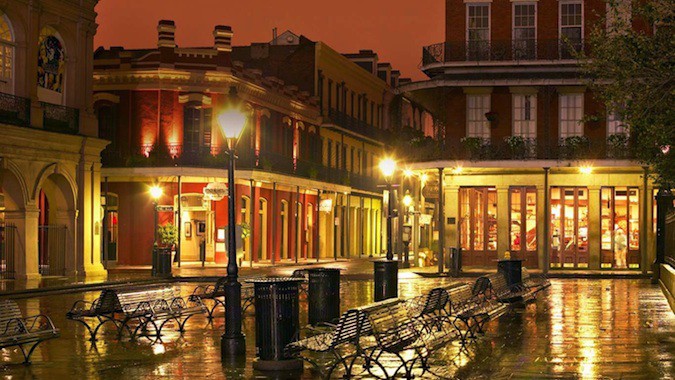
(51, 66)
(6, 55)
(196, 128)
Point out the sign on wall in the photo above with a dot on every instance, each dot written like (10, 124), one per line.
(326, 205)
(215, 191)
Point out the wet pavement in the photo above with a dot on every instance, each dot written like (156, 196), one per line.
(578, 328)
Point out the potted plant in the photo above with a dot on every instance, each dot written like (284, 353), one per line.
(574, 146)
(473, 146)
(516, 145)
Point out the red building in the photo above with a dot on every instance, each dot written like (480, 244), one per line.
(535, 164)
(298, 199)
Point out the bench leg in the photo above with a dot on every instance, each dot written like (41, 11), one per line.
(92, 333)
(26, 356)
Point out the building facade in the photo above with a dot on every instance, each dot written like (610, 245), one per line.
(49, 152)
(300, 195)
(531, 162)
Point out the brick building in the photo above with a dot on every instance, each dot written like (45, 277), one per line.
(306, 184)
(532, 162)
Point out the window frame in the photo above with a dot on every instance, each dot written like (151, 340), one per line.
(471, 124)
(579, 121)
(516, 113)
(513, 24)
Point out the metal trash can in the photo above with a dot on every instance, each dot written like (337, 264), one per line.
(512, 270)
(277, 322)
(456, 267)
(161, 262)
(386, 279)
(323, 295)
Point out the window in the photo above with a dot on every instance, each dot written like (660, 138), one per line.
(615, 126)
(51, 66)
(620, 227)
(196, 128)
(571, 112)
(571, 33)
(477, 124)
(524, 31)
(6, 55)
(107, 123)
(525, 116)
(478, 31)
(330, 94)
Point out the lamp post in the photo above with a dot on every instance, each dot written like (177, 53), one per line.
(407, 231)
(386, 271)
(233, 343)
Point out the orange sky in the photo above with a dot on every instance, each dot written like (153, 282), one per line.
(395, 29)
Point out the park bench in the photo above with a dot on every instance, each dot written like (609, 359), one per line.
(534, 284)
(216, 294)
(468, 309)
(497, 288)
(17, 330)
(350, 328)
(140, 306)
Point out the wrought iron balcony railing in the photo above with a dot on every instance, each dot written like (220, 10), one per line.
(477, 149)
(355, 125)
(61, 119)
(14, 110)
(172, 156)
(502, 50)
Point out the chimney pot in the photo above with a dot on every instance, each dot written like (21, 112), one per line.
(222, 35)
(166, 31)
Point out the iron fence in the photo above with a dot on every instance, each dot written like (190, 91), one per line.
(669, 252)
(7, 248)
(52, 250)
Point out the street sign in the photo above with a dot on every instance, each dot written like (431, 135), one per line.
(430, 191)
(326, 205)
(215, 191)
(165, 208)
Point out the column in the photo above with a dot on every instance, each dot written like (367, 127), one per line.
(502, 221)
(593, 227)
(542, 222)
(26, 243)
(452, 211)
(88, 230)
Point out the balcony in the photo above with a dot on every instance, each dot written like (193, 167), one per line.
(176, 156)
(501, 51)
(16, 110)
(355, 125)
(477, 149)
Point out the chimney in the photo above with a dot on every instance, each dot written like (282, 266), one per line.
(223, 37)
(274, 36)
(166, 30)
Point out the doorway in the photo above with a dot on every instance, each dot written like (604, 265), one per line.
(523, 225)
(569, 227)
(263, 253)
(284, 230)
(620, 227)
(478, 225)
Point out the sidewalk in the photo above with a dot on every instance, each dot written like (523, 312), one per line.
(352, 269)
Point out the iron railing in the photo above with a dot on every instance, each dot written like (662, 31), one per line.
(502, 50)
(52, 250)
(669, 251)
(355, 125)
(14, 110)
(476, 149)
(7, 247)
(61, 119)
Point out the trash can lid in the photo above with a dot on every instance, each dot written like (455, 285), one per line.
(268, 280)
(324, 269)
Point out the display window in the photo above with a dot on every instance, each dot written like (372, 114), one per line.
(478, 225)
(569, 227)
(620, 227)
(523, 225)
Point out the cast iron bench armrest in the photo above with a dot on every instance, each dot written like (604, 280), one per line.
(41, 320)
(142, 308)
(81, 306)
(18, 330)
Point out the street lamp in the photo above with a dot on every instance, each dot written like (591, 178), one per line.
(233, 343)
(386, 271)
(407, 230)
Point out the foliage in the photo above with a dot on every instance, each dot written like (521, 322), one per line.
(474, 146)
(617, 145)
(245, 230)
(168, 235)
(632, 70)
(574, 147)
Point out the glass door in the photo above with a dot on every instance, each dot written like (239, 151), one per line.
(620, 227)
(478, 225)
(569, 227)
(523, 225)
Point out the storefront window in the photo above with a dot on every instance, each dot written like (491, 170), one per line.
(523, 224)
(569, 227)
(620, 227)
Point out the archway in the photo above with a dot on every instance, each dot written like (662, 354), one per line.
(56, 227)
(12, 224)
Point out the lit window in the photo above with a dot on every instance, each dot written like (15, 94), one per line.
(571, 112)
(196, 128)
(477, 124)
(525, 116)
(6, 54)
(615, 125)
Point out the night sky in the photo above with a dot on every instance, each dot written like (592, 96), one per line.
(395, 29)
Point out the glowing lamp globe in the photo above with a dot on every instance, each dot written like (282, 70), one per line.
(156, 192)
(232, 123)
(407, 200)
(387, 167)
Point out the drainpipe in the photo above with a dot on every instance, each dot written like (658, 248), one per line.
(547, 222)
(441, 222)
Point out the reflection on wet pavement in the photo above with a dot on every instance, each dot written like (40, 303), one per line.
(576, 329)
